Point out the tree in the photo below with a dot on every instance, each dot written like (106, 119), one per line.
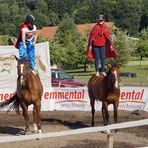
(130, 15)
(57, 53)
(127, 15)
(144, 17)
(53, 19)
(41, 19)
(124, 46)
(80, 15)
(67, 46)
(142, 49)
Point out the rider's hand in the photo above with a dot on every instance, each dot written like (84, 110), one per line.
(90, 47)
(33, 44)
(24, 46)
(111, 47)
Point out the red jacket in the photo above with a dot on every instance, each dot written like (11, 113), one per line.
(20, 34)
(100, 36)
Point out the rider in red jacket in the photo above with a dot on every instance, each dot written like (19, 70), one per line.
(100, 42)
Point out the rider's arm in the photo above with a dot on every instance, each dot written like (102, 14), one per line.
(35, 38)
(23, 39)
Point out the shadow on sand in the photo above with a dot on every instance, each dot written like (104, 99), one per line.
(70, 124)
(10, 130)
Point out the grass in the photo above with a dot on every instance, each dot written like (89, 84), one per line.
(140, 68)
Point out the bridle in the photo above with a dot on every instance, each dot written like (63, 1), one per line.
(21, 76)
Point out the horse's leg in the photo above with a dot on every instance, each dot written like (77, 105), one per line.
(26, 117)
(35, 128)
(38, 107)
(105, 113)
(116, 111)
(92, 103)
(36, 117)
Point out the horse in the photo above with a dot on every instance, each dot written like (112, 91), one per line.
(107, 90)
(29, 91)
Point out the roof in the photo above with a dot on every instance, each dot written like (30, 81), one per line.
(49, 32)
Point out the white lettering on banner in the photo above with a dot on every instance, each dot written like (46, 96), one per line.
(131, 98)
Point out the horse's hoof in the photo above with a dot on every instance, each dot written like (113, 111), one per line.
(27, 132)
(21, 133)
(40, 131)
(37, 131)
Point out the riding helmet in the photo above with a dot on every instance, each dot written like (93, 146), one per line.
(101, 17)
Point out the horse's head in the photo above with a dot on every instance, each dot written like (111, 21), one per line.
(22, 70)
(114, 74)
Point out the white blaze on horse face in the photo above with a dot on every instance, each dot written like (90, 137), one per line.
(116, 79)
(21, 65)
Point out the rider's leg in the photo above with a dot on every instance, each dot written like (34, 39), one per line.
(22, 52)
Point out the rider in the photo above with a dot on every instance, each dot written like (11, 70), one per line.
(26, 41)
(98, 40)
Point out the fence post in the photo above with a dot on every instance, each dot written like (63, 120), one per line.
(109, 139)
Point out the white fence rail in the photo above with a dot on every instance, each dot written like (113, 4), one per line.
(4, 139)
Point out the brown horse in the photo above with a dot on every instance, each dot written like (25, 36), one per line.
(29, 91)
(105, 89)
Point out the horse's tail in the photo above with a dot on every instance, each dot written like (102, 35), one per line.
(12, 103)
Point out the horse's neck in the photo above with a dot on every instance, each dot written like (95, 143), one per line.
(109, 84)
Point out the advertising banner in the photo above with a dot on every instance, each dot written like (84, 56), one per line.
(8, 65)
(72, 99)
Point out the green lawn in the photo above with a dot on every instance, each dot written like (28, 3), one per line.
(140, 68)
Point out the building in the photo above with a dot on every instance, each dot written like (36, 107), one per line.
(48, 33)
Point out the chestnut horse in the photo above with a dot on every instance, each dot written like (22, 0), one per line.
(29, 91)
(107, 90)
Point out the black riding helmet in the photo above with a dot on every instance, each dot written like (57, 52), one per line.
(30, 20)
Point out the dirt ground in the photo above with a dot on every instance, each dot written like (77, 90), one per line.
(12, 123)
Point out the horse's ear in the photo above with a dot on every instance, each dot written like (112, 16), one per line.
(17, 59)
(118, 65)
(109, 66)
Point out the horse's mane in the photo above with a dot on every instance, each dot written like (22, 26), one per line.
(109, 81)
